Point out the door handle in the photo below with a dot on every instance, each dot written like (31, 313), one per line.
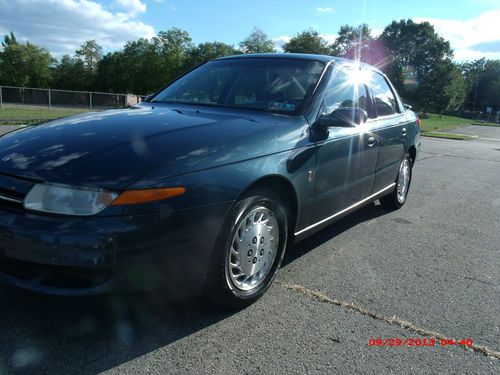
(403, 131)
(371, 141)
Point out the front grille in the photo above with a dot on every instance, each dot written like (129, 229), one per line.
(13, 190)
(54, 276)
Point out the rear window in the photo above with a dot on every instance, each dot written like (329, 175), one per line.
(385, 101)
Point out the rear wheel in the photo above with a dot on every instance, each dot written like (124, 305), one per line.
(398, 197)
(249, 250)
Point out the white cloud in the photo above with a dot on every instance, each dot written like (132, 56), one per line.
(377, 31)
(131, 6)
(324, 9)
(473, 38)
(280, 40)
(62, 26)
(330, 38)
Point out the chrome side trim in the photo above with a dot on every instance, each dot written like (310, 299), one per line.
(344, 210)
(10, 199)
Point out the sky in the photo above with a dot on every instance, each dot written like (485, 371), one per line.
(471, 26)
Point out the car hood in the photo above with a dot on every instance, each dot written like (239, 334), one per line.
(113, 149)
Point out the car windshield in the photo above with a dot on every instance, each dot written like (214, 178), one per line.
(275, 85)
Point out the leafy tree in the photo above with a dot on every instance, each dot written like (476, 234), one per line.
(357, 43)
(24, 64)
(353, 41)
(208, 51)
(416, 44)
(90, 53)
(111, 75)
(455, 90)
(70, 74)
(444, 88)
(491, 81)
(143, 67)
(257, 42)
(171, 47)
(416, 50)
(308, 41)
(482, 81)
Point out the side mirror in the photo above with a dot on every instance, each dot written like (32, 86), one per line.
(345, 117)
(407, 106)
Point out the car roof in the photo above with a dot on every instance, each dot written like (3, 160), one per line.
(299, 56)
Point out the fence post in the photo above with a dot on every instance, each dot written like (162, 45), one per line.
(90, 101)
(1, 102)
(50, 101)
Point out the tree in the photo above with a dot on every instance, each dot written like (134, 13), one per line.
(257, 42)
(455, 90)
(208, 51)
(171, 47)
(144, 71)
(112, 74)
(90, 53)
(491, 81)
(24, 64)
(416, 53)
(443, 89)
(144, 66)
(353, 41)
(70, 74)
(308, 41)
(482, 82)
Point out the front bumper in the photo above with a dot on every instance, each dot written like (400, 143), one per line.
(86, 256)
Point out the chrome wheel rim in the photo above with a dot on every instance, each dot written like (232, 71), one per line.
(403, 180)
(253, 249)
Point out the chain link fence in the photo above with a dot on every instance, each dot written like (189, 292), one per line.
(65, 99)
(477, 116)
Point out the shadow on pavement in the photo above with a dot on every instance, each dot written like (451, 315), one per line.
(45, 334)
(369, 212)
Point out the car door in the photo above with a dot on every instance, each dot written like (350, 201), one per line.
(345, 156)
(391, 131)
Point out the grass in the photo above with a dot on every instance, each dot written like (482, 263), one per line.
(442, 122)
(486, 124)
(431, 126)
(438, 122)
(461, 137)
(32, 115)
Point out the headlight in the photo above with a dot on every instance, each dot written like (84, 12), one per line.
(67, 200)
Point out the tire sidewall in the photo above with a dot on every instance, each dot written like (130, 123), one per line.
(410, 161)
(222, 287)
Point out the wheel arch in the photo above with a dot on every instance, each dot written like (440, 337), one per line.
(284, 189)
(413, 153)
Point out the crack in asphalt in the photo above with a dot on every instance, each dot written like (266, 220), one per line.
(433, 155)
(469, 158)
(409, 326)
(494, 286)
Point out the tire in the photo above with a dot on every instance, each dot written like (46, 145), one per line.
(249, 250)
(397, 198)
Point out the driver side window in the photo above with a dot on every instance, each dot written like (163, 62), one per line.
(343, 91)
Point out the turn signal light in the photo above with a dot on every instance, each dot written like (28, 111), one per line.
(147, 195)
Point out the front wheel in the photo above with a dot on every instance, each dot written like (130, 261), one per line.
(398, 197)
(249, 250)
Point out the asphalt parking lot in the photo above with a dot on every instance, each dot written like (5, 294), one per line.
(431, 268)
